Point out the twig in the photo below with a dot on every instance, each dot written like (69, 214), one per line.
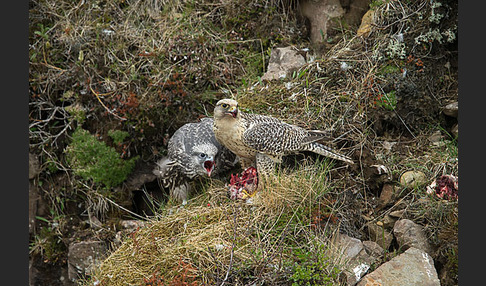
(102, 104)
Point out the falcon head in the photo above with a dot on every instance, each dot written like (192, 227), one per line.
(203, 159)
(226, 108)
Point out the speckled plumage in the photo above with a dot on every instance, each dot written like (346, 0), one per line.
(261, 141)
(192, 151)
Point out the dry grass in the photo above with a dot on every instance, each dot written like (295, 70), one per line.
(236, 242)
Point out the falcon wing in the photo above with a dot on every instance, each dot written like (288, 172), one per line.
(274, 138)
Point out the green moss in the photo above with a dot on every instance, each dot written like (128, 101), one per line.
(118, 136)
(94, 160)
(389, 69)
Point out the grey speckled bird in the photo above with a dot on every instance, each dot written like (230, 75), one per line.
(192, 151)
(261, 141)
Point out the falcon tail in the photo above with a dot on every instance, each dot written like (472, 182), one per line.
(328, 152)
(316, 135)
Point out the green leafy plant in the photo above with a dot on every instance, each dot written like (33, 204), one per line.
(42, 32)
(92, 159)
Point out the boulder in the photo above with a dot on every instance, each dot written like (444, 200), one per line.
(373, 249)
(84, 256)
(413, 267)
(410, 234)
(319, 13)
(356, 258)
(283, 62)
(325, 16)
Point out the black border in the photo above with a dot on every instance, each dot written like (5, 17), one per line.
(471, 143)
(15, 142)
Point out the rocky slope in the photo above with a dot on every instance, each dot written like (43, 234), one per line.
(112, 80)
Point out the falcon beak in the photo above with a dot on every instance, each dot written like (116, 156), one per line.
(209, 166)
(233, 111)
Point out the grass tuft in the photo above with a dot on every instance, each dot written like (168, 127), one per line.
(218, 240)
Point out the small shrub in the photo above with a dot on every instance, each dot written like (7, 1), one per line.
(94, 160)
(314, 268)
(118, 136)
(387, 101)
(48, 243)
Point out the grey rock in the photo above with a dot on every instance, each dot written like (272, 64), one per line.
(373, 249)
(410, 234)
(350, 247)
(436, 138)
(356, 259)
(324, 16)
(452, 109)
(413, 267)
(84, 256)
(413, 179)
(283, 61)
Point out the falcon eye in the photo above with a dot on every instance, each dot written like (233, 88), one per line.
(202, 155)
(224, 105)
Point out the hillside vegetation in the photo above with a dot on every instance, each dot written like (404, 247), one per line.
(111, 81)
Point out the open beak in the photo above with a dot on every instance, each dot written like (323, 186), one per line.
(233, 111)
(209, 166)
